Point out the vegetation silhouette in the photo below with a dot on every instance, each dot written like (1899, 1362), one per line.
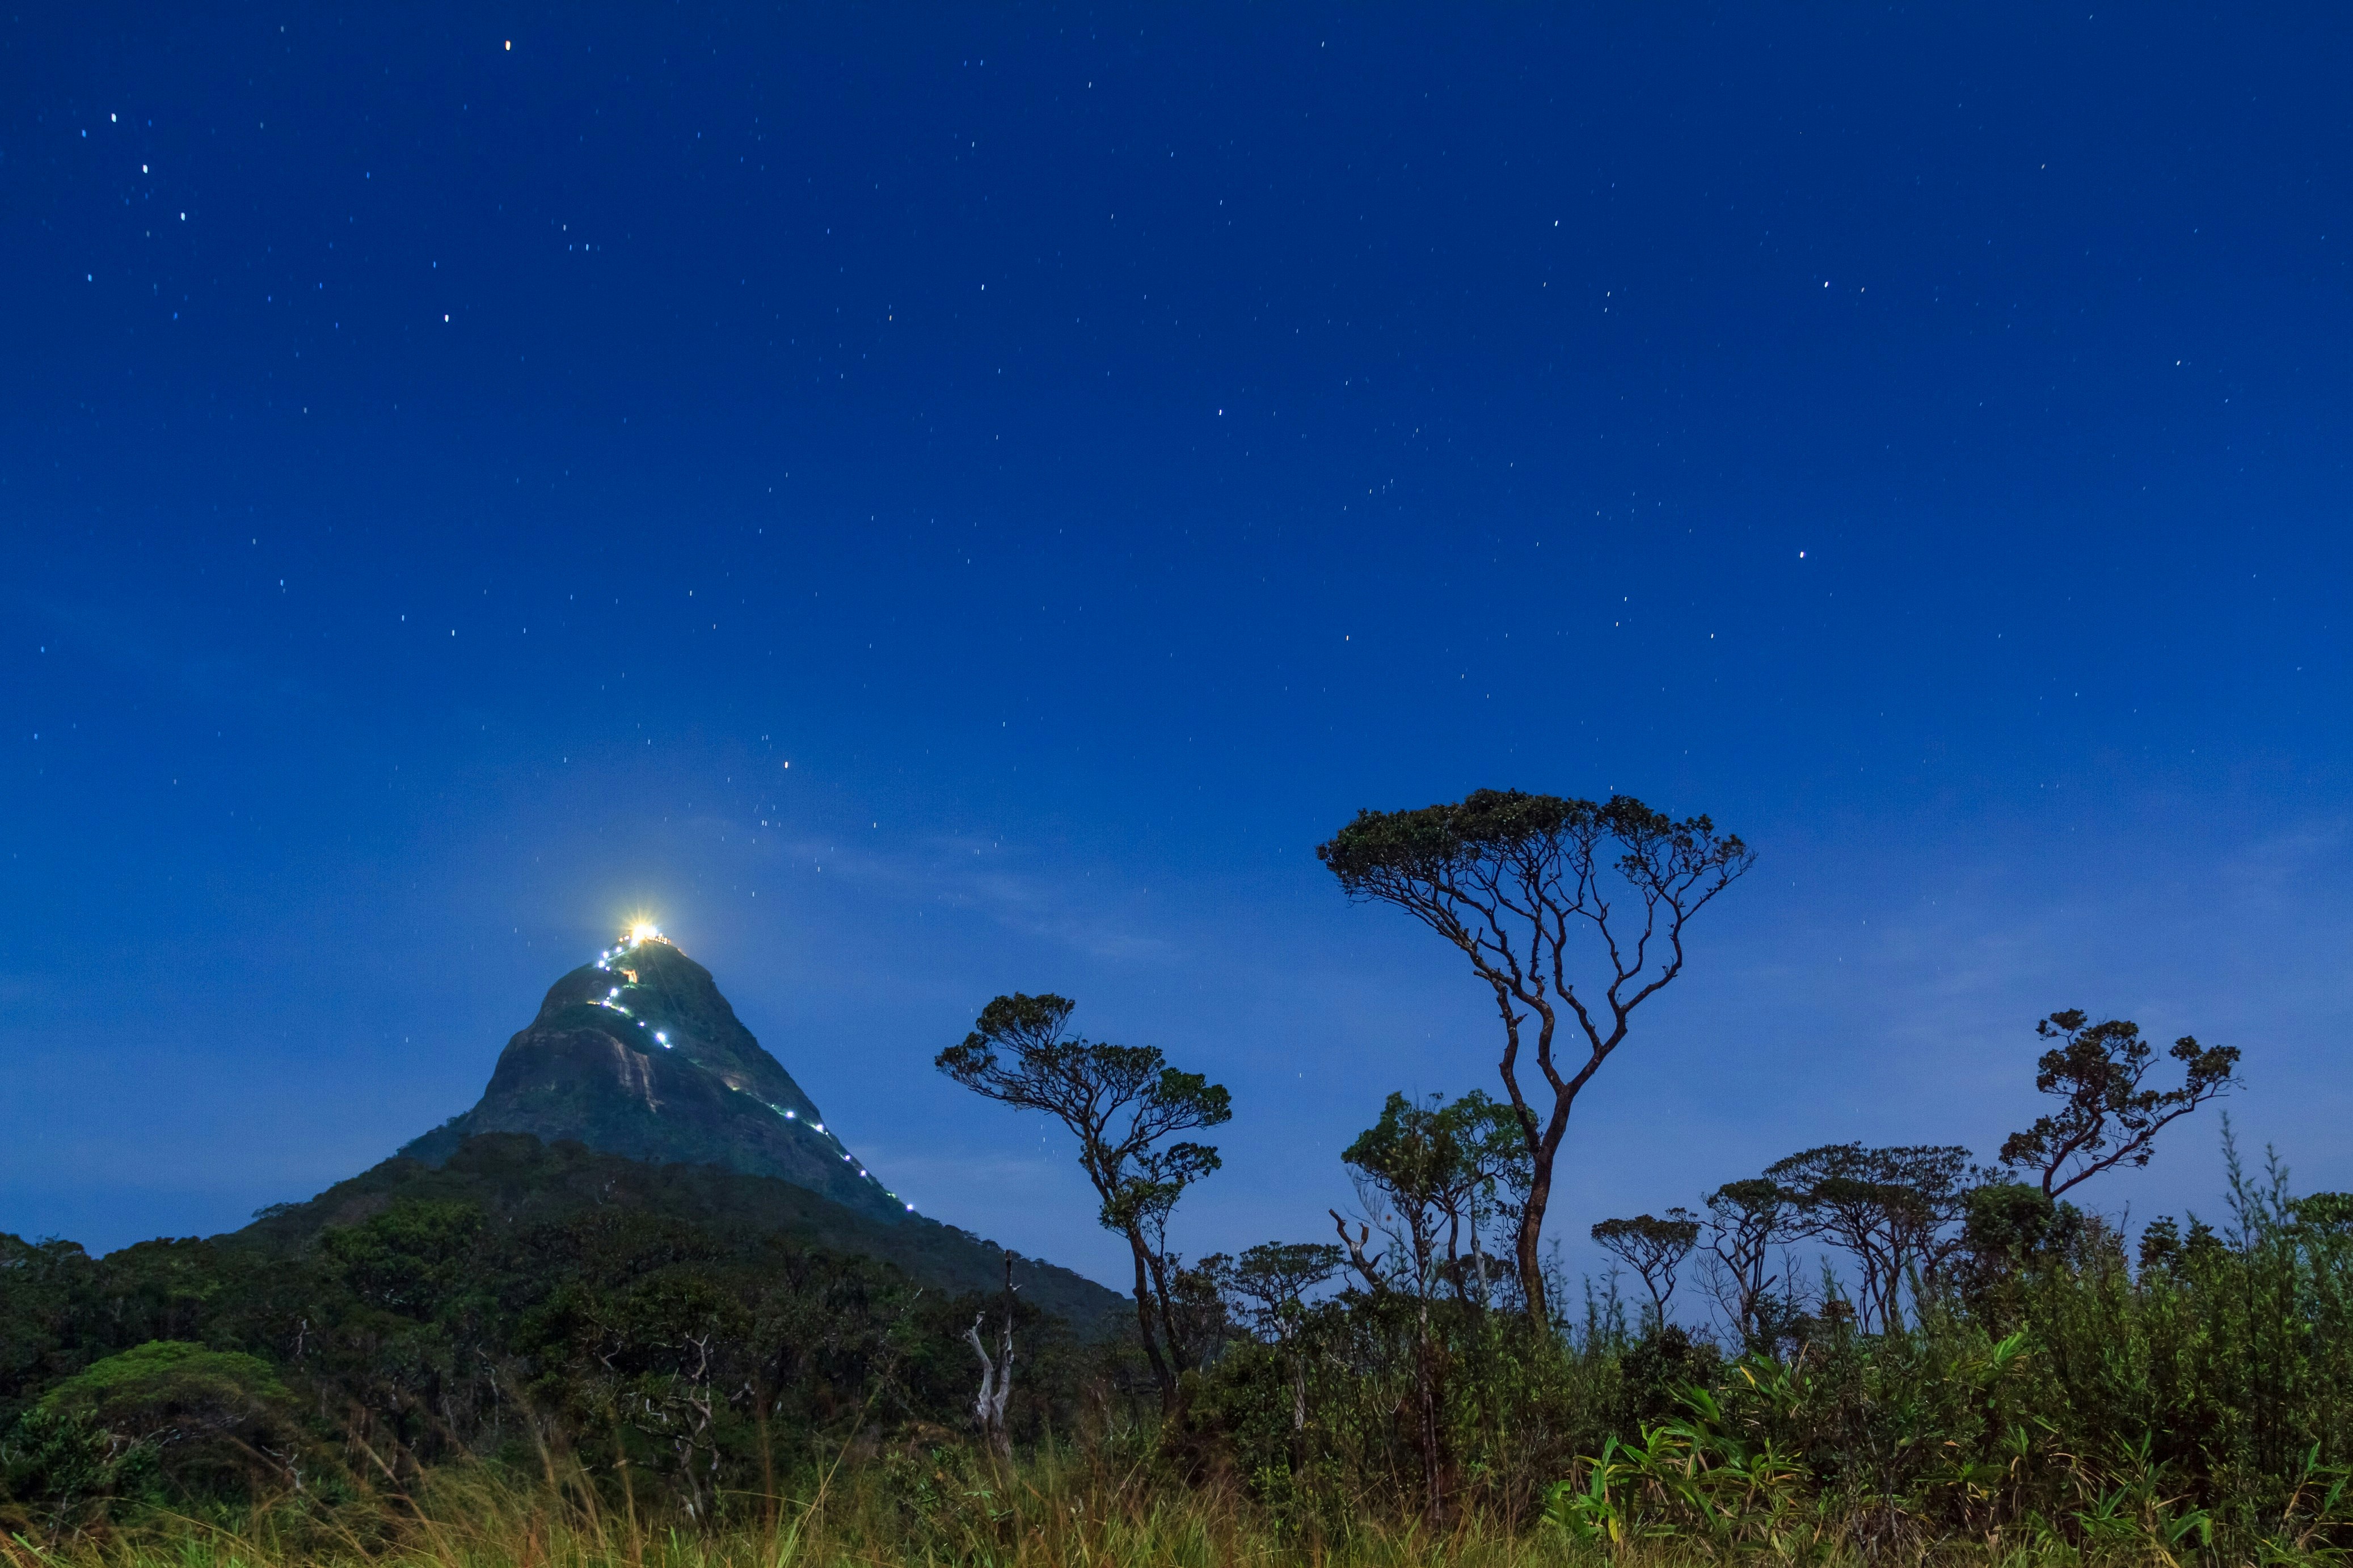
(1525, 887)
(540, 1352)
(1124, 1104)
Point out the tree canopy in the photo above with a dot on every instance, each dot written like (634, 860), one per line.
(1123, 1103)
(2106, 1117)
(1533, 889)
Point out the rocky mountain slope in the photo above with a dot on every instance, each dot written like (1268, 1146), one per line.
(637, 1054)
(636, 1087)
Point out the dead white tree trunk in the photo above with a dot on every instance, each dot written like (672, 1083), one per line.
(996, 1375)
(1367, 1267)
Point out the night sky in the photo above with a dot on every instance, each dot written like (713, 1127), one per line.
(934, 501)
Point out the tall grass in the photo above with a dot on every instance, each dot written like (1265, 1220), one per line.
(943, 1506)
(953, 1505)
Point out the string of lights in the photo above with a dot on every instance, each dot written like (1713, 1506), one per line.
(637, 936)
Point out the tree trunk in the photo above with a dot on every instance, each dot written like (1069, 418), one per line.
(1355, 1246)
(1160, 1372)
(995, 1387)
(1178, 1358)
(1531, 1266)
(1426, 1398)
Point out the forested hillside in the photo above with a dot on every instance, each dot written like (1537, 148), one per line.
(516, 1297)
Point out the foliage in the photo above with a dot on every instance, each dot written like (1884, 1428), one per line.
(2105, 1118)
(516, 1179)
(2047, 1397)
(1425, 1165)
(693, 1359)
(1435, 1173)
(930, 1502)
(1895, 1212)
(1653, 1248)
(200, 1419)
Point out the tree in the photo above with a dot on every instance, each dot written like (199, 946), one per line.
(1199, 1319)
(214, 1421)
(1494, 1161)
(1416, 1167)
(1897, 1211)
(2329, 1213)
(1515, 882)
(1435, 1172)
(2105, 1117)
(1123, 1103)
(1440, 1169)
(1654, 1249)
(996, 1374)
(1269, 1283)
(1746, 1220)
(2008, 1228)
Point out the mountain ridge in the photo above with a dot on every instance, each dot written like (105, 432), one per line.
(515, 1178)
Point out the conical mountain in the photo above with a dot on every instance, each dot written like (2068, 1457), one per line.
(637, 1054)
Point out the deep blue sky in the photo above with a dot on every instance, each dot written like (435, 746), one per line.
(444, 484)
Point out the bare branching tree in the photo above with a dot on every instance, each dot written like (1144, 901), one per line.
(1522, 885)
(1123, 1103)
(2105, 1118)
(996, 1374)
(1368, 1268)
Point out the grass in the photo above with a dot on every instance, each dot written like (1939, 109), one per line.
(939, 1506)
(1053, 1510)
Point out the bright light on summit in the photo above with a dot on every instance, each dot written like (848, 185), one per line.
(644, 931)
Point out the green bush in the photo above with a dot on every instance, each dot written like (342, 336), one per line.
(165, 1419)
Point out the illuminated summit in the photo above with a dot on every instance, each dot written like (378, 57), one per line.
(636, 1053)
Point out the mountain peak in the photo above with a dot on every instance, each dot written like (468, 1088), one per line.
(636, 1053)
